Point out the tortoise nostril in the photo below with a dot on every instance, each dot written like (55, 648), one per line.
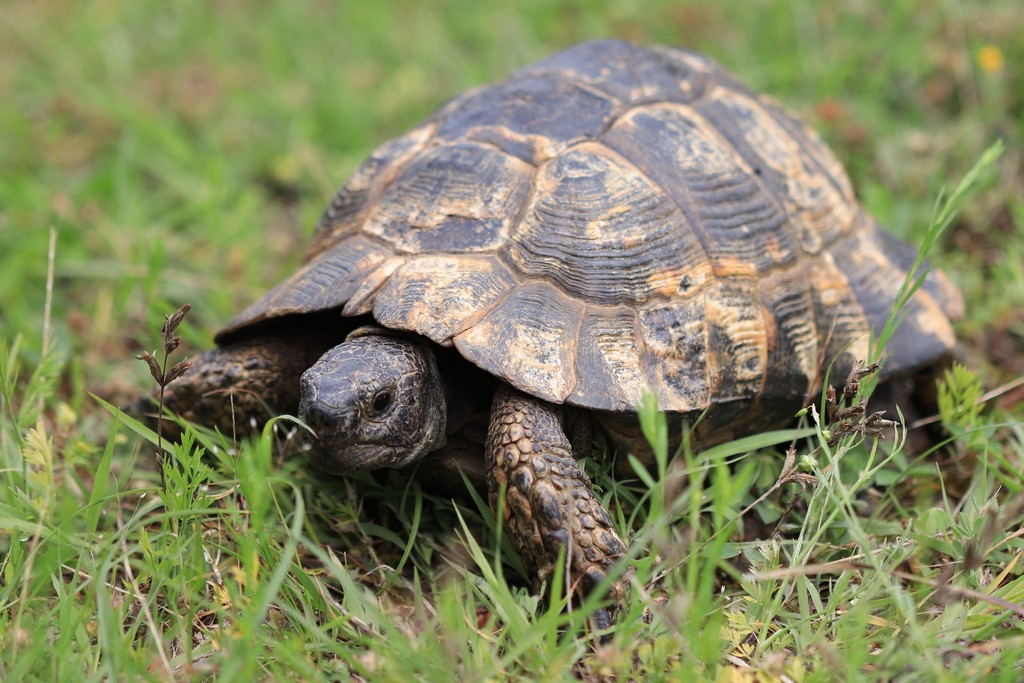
(329, 421)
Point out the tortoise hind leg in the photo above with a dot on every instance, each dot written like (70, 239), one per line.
(549, 504)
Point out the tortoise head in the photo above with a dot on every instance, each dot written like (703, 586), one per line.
(375, 400)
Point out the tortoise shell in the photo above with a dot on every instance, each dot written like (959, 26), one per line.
(615, 219)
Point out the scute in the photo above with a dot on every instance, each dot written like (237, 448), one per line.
(629, 73)
(604, 233)
(528, 340)
(438, 296)
(935, 283)
(350, 205)
(814, 199)
(615, 219)
(609, 365)
(739, 335)
(871, 268)
(674, 338)
(741, 226)
(328, 281)
(527, 117)
(461, 197)
(843, 330)
(793, 358)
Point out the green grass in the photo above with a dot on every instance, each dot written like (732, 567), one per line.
(182, 152)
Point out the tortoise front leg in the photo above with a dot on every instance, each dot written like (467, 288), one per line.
(238, 387)
(549, 503)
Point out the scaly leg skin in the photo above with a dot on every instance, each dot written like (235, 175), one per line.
(549, 504)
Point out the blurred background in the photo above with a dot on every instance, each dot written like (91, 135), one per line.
(183, 151)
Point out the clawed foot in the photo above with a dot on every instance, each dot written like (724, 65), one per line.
(549, 505)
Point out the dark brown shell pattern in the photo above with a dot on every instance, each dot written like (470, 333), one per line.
(616, 219)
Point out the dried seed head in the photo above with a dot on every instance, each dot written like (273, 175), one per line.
(154, 366)
(859, 372)
(172, 321)
(178, 370)
(171, 344)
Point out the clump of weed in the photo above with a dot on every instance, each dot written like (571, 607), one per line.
(846, 411)
(163, 375)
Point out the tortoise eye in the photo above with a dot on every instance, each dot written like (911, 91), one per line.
(381, 401)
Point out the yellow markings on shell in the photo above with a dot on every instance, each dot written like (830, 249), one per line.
(748, 328)
(727, 267)
(620, 357)
(439, 295)
(529, 339)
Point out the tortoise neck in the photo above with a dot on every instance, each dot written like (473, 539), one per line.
(467, 390)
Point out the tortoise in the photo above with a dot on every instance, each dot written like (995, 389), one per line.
(515, 273)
